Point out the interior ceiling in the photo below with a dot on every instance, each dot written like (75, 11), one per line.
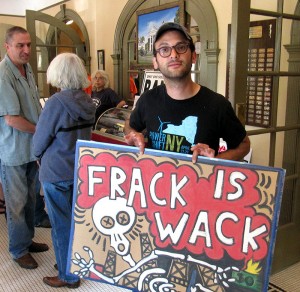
(18, 7)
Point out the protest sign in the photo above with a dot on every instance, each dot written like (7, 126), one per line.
(157, 221)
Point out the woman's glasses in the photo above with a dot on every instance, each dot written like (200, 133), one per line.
(99, 78)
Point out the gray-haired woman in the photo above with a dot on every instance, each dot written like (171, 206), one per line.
(103, 96)
(67, 116)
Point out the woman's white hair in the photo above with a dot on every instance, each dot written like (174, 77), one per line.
(104, 75)
(66, 71)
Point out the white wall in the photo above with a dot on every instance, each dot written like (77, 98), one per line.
(18, 7)
(107, 16)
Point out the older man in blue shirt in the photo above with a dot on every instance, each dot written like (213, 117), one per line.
(19, 113)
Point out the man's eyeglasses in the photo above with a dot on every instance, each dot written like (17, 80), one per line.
(166, 51)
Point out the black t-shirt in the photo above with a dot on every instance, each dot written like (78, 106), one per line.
(104, 100)
(176, 125)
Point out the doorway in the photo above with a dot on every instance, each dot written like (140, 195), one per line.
(51, 36)
(277, 143)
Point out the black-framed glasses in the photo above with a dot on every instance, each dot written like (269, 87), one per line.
(167, 50)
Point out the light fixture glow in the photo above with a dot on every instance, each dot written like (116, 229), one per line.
(70, 21)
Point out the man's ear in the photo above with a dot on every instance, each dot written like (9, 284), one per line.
(194, 57)
(155, 65)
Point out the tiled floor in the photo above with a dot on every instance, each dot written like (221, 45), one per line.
(288, 279)
(15, 279)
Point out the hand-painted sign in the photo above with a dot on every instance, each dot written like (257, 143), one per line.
(157, 221)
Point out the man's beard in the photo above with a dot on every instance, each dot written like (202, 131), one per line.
(184, 71)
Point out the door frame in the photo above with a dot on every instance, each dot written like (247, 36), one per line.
(31, 18)
(288, 236)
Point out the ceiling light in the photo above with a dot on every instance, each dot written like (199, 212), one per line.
(68, 22)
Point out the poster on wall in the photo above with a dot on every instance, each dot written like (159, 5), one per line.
(158, 221)
(148, 22)
(151, 79)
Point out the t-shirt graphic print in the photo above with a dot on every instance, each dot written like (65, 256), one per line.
(175, 138)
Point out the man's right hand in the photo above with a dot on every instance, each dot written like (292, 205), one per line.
(137, 139)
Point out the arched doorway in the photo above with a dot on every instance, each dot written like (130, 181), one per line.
(51, 36)
(201, 20)
(81, 30)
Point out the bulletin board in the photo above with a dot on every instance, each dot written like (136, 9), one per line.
(158, 221)
(261, 56)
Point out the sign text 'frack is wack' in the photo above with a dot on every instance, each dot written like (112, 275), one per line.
(149, 223)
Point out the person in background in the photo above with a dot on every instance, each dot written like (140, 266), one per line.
(89, 89)
(67, 116)
(103, 96)
(192, 116)
(19, 112)
(132, 86)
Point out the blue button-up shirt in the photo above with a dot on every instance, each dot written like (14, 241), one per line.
(18, 96)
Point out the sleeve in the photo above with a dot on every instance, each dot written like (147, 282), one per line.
(46, 128)
(9, 101)
(233, 130)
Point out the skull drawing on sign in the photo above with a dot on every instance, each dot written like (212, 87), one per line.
(114, 218)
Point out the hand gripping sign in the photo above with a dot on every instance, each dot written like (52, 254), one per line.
(158, 222)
